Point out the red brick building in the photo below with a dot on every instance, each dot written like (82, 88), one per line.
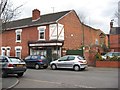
(114, 38)
(47, 34)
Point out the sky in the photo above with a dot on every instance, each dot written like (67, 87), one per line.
(97, 13)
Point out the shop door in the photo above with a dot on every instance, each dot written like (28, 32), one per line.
(49, 54)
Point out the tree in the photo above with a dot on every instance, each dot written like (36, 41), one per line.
(7, 11)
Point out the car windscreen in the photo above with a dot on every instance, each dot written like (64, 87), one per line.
(12, 59)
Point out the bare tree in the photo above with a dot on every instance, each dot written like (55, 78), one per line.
(7, 11)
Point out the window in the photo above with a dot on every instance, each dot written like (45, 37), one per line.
(64, 58)
(71, 58)
(8, 51)
(18, 51)
(96, 42)
(41, 35)
(3, 51)
(18, 35)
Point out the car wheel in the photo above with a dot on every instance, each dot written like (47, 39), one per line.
(53, 66)
(37, 66)
(76, 68)
(4, 74)
(20, 74)
(45, 67)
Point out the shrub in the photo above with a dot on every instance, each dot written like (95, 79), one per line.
(114, 58)
(98, 57)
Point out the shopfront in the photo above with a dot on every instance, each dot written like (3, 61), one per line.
(51, 50)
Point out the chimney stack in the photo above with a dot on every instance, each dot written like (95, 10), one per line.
(35, 14)
(111, 24)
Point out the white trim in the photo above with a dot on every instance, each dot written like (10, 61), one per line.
(16, 51)
(41, 27)
(39, 30)
(3, 47)
(18, 30)
(3, 51)
(20, 47)
(46, 44)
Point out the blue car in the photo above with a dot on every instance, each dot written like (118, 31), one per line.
(36, 61)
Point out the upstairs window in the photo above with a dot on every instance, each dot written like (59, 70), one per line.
(18, 35)
(41, 34)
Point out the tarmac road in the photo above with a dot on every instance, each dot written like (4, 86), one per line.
(91, 78)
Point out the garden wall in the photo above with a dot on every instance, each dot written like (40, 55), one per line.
(113, 64)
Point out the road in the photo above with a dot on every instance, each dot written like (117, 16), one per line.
(90, 78)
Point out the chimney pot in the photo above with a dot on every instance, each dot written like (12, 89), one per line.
(35, 14)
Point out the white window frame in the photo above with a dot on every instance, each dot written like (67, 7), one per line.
(40, 30)
(18, 49)
(3, 51)
(8, 51)
(18, 32)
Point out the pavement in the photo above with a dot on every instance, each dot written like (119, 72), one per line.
(8, 83)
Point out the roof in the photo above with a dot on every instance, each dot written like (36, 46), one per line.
(44, 19)
(115, 30)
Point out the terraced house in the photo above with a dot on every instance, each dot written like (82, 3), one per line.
(47, 34)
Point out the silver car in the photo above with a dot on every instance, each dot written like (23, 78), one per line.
(12, 65)
(111, 54)
(74, 62)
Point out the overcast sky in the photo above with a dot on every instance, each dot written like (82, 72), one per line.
(98, 13)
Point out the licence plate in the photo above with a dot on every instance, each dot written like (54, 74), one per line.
(19, 65)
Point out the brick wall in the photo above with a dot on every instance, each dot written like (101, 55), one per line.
(113, 64)
(73, 33)
(115, 42)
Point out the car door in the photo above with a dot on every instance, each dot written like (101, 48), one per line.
(33, 60)
(69, 62)
(61, 62)
(27, 61)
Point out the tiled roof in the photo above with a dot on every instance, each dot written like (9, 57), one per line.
(44, 19)
(115, 30)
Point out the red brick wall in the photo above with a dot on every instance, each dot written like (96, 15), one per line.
(115, 42)
(74, 32)
(28, 34)
(114, 64)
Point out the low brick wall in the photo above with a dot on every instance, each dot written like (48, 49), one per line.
(113, 64)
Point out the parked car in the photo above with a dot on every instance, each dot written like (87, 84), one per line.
(111, 54)
(12, 65)
(74, 62)
(36, 61)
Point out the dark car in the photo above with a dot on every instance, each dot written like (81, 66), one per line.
(36, 61)
(12, 65)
